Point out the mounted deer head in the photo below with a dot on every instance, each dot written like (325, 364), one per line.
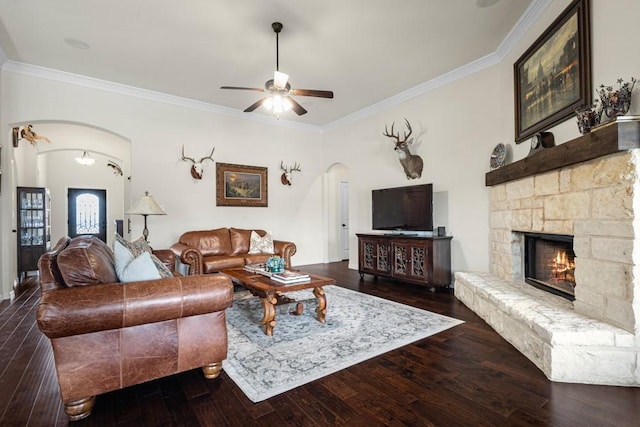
(411, 163)
(286, 176)
(196, 167)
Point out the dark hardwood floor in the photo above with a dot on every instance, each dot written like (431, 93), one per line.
(465, 376)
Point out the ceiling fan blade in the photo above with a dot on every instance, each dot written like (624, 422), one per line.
(255, 105)
(297, 108)
(280, 79)
(312, 92)
(242, 88)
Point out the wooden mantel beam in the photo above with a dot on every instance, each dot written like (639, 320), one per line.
(620, 135)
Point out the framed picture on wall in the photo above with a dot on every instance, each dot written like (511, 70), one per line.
(553, 77)
(240, 185)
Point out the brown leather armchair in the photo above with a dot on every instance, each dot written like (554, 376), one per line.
(209, 251)
(108, 335)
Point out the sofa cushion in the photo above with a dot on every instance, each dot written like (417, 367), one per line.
(87, 260)
(215, 263)
(241, 240)
(261, 245)
(256, 258)
(209, 242)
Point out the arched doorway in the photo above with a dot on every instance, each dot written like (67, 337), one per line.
(337, 202)
(53, 165)
(59, 170)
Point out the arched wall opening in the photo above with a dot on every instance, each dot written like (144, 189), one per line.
(336, 201)
(53, 165)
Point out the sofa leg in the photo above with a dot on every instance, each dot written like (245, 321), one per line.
(79, 409)
(212, 370)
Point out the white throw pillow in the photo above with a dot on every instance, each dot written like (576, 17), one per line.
(129, 267)
(141, 268)
(123, 258)
(261, 245)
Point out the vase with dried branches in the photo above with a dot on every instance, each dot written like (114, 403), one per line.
(616, 102)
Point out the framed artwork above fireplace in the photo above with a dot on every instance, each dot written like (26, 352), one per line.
(553, 77)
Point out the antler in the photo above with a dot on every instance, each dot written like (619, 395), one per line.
(391, 135)
(397, 136)
(209, 157)
(185, 158)
(407, 135)
(296, 167)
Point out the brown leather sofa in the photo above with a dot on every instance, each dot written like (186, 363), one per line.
(209, 251)
(108, 335)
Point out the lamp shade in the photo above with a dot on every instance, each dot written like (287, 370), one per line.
(146, 205)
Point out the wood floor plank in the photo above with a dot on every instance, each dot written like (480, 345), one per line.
(467, 375)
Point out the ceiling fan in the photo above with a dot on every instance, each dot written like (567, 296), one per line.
(279, 92)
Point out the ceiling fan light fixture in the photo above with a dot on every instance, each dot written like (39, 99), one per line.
(279, 94)
(277, 104)
(280, 79)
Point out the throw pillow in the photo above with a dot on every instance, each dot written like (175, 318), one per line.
(125, 253)
(137, 247)
(140, 268)
(261, 245)
(162, 269)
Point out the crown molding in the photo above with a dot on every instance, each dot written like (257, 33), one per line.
(526, 21)
(528, 18)
(107, 86)
(421, 89)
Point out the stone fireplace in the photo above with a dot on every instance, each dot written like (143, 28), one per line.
(584, 214)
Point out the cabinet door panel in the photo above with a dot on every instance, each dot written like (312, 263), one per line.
(383, 264)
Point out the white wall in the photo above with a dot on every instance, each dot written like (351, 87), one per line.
(462, 122)
(459, 124)
(452, 134)
(157, 132)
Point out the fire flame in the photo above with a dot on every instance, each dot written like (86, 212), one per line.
(561, 266)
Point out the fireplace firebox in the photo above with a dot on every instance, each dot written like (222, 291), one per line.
(549, 263)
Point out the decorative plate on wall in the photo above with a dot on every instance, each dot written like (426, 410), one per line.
(498, 156)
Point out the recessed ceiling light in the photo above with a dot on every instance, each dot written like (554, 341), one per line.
(486, 3)
(78, 44)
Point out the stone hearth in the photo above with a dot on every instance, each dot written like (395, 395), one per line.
(593, 339)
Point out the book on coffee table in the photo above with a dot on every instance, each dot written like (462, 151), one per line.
(257, 268)
(291, 281)
(289, 277)
(288, 274)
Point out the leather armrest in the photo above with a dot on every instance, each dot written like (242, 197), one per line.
(285, 249)
(190, 256)
(167, 257)
(86, 309)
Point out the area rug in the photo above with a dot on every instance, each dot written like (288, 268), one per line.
(358, 327)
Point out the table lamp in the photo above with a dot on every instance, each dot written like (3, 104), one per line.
(146, 205)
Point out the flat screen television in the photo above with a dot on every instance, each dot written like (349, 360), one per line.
(403, 208)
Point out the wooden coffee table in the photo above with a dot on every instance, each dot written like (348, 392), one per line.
(272, 293)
